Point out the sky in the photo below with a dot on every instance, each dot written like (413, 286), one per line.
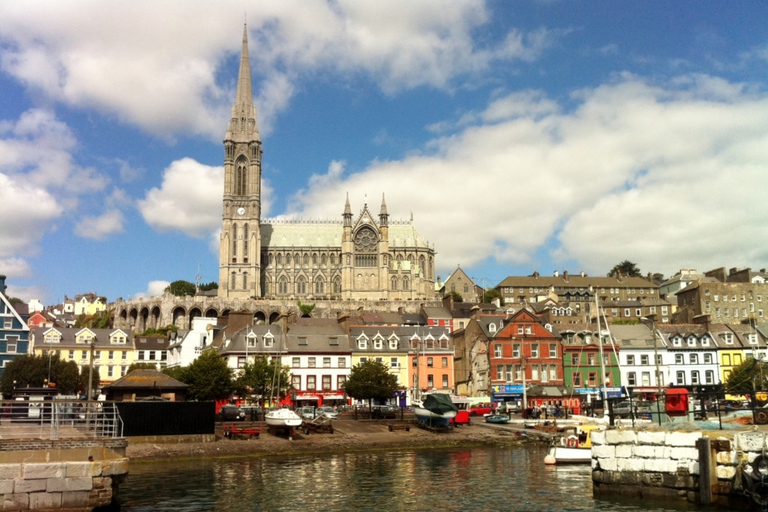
(521, 136)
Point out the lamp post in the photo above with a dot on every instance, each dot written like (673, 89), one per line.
(90, 373)
(656, 361)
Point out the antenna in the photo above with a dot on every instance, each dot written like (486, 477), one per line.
(197, 279)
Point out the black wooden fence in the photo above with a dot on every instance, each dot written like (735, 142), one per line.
(167, 418)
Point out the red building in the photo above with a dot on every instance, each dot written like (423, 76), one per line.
(525, 352)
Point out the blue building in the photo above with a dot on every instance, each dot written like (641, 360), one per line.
(14, 331)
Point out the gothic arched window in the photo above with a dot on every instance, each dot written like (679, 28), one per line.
(282, 286)
(232, 283)
(234, 240)
(245, 280)
(245, 241)
(301, 286)
(241, 177)
(337, 285)
(319, 286)
(393, 284)
(406, 284)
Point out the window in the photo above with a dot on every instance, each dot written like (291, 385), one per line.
(110, 371)
(630, 359)
(631, 379)
(311, 362)
(340, 380)
(707, 358)
(509, 373)
(302, 340)
(311, 383)
(678, 358)
(296, 362)
(519, 329)
(591, 359)
(393, 362)
(362, 343)
(709, 377)
(516, 350)
(393, 343)
(680, 378)
(378, 343)
(646, 378)
(445, 381)
(576, 379)
(553, 350)
(333, 340)
(497, 350)
(726, 360)
(500, 372)
(8, 324)
(84, 355)
(326, 362)
(592, 382)
(644, 359)
(430, 381)
(296, 382)
(694, 377)
(527, 329)
(694, 358)
(241, 362)
(574, 359)
(124, 356)
(111, 355)
(535, 350)
(430, 362)
(326, 382)
(445, 362)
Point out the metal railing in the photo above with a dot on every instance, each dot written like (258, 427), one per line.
(57, 419)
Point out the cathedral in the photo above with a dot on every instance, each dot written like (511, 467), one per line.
(266, 266)
(362, 257)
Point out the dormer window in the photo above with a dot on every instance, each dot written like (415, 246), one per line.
(393, 342)
(378, 342)
(269, 340)
(677, 341)
(492, 328)
(752, 338)
(362, 343)
(691, 341)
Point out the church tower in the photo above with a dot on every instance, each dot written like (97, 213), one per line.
(240, 251)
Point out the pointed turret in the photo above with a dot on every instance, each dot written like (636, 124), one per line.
(243, 125)
(383, 215)
(347, 213)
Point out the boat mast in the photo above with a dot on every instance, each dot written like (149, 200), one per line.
(600, 345)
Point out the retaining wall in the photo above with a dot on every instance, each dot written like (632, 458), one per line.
(61, 476)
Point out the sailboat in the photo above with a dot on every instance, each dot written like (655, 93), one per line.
(281, 418)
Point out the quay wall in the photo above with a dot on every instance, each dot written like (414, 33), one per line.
(60, 475)
(710, 468)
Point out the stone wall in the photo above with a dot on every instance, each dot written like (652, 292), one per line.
(61, 476)
(670, 464)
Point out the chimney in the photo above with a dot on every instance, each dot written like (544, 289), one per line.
(2, 285)
(556, 274)
(535, 274)
(565, 276)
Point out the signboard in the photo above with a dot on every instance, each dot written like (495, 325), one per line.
(512, 389)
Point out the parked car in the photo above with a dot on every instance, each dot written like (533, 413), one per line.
(481, 409)
(624, 409)
(231, 413)
(252, 412)
(307, 412)
(385, 412)
(328, 411)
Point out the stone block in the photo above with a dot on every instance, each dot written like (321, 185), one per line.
(16, 501)
(26, 485)
(608, 464)
(10, 471)
(628, 478)
(44, 470)
(683, 453)
(631, 465)
(74, 499)
(727, 458)
(651, 438)
(598, 437)
(678, 481)
(625, 451)
(652, 479)
(725, 472)
(750, 441)
(114, 467)
(693, 468)
(620, 437)
(604, 451)
(649, 452)
(660, 465)
(44, 500)
(75, 469)
(6, 486)
(70, 484)
(687, 439)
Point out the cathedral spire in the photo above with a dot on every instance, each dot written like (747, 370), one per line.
(243, 125)
(383, 215)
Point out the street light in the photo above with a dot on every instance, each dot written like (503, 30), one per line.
(652, 319)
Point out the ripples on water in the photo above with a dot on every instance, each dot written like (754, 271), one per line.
(486, 479)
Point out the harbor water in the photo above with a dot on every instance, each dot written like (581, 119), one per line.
(486, 479)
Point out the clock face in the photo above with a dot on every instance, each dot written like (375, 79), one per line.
(241, 211)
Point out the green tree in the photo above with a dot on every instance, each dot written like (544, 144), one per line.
(491, 294)
(213, 285)
(370, 380)
(99, 320)
(306, 309)
(31, 370)
(15, 300)
(265, 378)
(456, 296)
(160, 332)
(748, 377)
(626, 268)
(208, 377)
(181, 288)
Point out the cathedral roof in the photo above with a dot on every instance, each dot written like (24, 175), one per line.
(308, 233)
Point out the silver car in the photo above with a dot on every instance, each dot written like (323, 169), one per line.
(307, 413)
(327, 411)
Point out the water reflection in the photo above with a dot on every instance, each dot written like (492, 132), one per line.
(512, 479)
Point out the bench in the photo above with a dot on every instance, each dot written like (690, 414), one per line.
(245, 429)
(400, 426)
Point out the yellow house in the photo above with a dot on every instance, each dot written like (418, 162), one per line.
(111, 350)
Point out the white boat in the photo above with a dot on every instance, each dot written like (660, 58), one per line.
(573, 447)
(282, 418)
(436, 410)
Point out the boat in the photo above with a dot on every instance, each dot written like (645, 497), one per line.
(497, 418)
(435, 410)
(573, 446)
(282, 418)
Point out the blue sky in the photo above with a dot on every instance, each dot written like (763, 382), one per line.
(521, 136)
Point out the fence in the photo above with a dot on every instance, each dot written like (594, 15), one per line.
(57, 419)
(167, 418)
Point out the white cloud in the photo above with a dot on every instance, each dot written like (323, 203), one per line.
(12, 267)
(660, 174)
(188, 200)
(25, 293)
(100, 227)
(165, 77)
(154, 289)
(26, 212)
